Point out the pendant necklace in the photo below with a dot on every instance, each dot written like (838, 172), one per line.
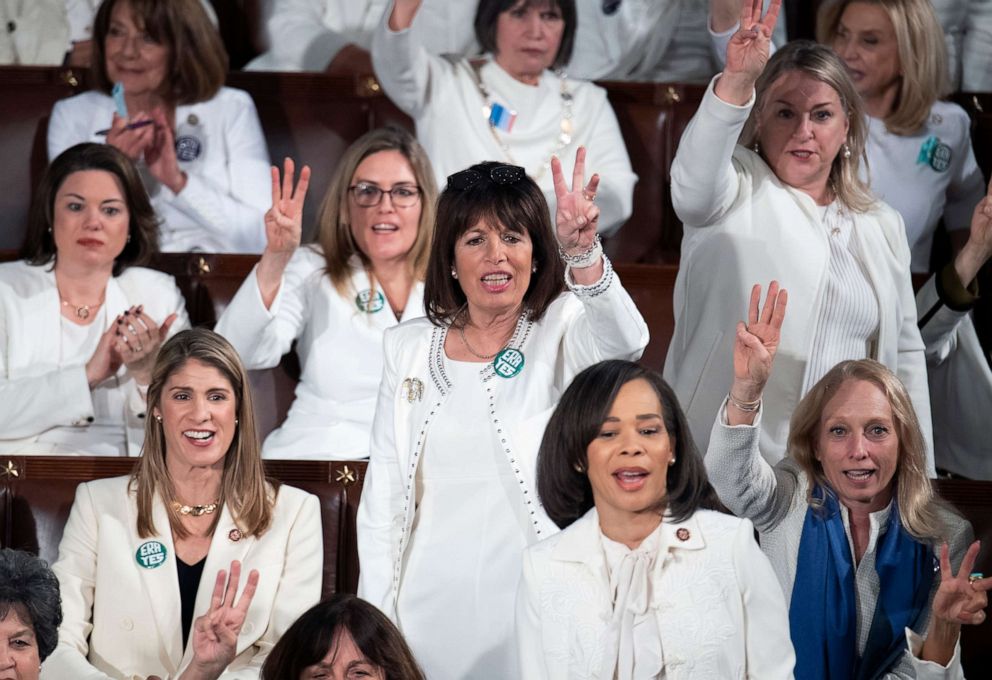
(195, 510)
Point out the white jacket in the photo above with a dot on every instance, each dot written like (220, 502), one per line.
(228, 187)
(33, 32)
(718, 605)
(37, 392)
(744, 226)
(600, 322)
(340, 351)
(123, 619)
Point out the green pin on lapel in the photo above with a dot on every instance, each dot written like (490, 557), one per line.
(370, 301)
(509, 362)
(151, 554)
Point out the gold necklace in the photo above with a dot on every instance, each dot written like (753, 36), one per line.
(485, 357)
(195, 510)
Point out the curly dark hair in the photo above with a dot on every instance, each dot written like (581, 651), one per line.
(31, 590)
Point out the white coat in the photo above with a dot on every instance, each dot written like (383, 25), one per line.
(122, 619)
(228, 187)
(340, 351)
(717, 603)
(37, 392)
(33, 32)
(575, 332)
(744, 226)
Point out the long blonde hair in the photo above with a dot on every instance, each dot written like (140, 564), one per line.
(334, 228)
(244, 488)
(922, 57)
(918, 505)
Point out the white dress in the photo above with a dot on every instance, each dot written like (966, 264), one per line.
(456, 599)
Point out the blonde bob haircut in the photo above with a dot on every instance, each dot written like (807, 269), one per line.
(922, 57)
(919, 507)
(823, 64)
(334, 220)
(245, 490)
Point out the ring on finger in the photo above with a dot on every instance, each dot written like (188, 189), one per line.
(975, 576)
(130, 327)
(589, 195)
(139, 348)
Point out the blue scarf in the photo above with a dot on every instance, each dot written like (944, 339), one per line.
(822, 615)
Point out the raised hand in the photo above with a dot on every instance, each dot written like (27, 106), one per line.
(959, 598)
(215, 634)
(137, 339)
(757, 342)
(160, 155)
(284, 220)
(577, 216)
(105, 360)
(131, 142)
(748, 50)
(977, 251)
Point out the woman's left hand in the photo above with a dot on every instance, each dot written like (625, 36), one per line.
(138, 340)
(577, 216)
(959, 599)
(160, 156)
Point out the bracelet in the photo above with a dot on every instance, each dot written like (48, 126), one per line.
(746, 406)
(585, 259)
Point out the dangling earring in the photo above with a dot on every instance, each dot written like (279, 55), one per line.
(578, 468)
(756, 147)
(846, 151)
(454, 274)
(533, 268)
(128, 238)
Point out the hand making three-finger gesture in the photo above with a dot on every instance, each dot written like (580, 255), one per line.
(747, 52)
(283, 228)
(577, 218)
(754, 352)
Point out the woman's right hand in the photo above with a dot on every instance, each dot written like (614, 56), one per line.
(105, 361)
(747, 52)
(131, 142)
(978, 249)
(283, 228)
(757, 342)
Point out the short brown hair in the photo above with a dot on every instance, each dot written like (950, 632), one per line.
(197, 58)
(918, 505)
(519, 207)
(487, 15)
(39, 243)
(244, 487)
(334, 221)
(922, 57)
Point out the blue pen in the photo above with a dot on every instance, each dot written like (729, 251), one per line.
(129, 126)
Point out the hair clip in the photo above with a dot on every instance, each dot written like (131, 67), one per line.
(501, 174)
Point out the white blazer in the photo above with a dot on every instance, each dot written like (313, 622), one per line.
(38, 391)
(340, 350)
(600, 322)
(33, 32)
(122, 619)
(718, 605)
(744, 226)
(228, 187)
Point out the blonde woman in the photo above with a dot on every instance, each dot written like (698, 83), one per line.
(336, 298)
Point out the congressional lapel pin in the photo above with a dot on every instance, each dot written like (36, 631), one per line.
(935, 153)
(682, 534)
(509, 362)
(189, 145)
(370, 301)
(151, 554)
(235, 535)
(413, 390)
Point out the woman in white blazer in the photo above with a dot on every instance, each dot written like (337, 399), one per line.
(336, 298)
(80, 322)
(796, 211)
(648, 577)
(203, 157)
(138, 559)
(449, 500)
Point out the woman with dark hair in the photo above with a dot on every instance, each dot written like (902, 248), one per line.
(80, 320)
(342, 637)
(449, 499)
(646, 561)
(158, 73)
(516, 104)
(144, 557)
(30, 614)
(337, 297)
(848, 518)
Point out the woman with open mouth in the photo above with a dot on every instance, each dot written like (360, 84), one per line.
(848, 518)
(150, 564)
(449, 501)
(648, 578)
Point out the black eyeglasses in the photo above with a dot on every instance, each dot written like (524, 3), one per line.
(498, 174)
(369, 195)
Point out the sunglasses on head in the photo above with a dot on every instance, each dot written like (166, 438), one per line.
(498, 174)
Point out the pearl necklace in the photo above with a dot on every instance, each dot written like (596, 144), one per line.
(195, 510)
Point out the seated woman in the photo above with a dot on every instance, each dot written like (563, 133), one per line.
(342, 637)
(205, 161)
(30, 614)
(515, 105)
(80, 322)
(335, 299)
(848, 518)
(135, 548)
(645, 561)
(766, 181)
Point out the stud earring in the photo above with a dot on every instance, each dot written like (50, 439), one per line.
(235, 421)
(128, 238)
(158, 418)
(672, 461)
(578, 468)
(846, 151)
(454, 274)
(533, 269)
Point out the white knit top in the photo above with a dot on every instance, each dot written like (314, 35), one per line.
(847, 325)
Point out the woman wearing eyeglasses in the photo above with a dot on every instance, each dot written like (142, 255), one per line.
(449, 501)
(335, 298)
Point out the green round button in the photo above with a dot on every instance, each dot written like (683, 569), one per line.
(151, 554)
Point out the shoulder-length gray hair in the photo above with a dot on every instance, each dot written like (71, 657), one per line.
(919, 506)
(823, 64)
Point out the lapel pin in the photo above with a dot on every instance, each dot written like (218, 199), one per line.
(413, 390)
(235, 535)
(682, 534)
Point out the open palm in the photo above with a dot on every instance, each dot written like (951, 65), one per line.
(757, 341)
